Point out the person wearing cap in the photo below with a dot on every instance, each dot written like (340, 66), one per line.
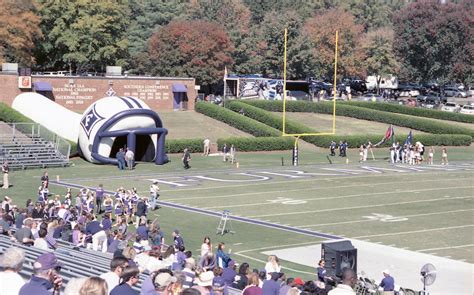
(11, 261)
(272, 286)
(112, 278)
(204, 282)
(229, 273)
(163, 281)
(388, 283)
(178, 240)
(46, 279)
(128, 279)
(346, 287)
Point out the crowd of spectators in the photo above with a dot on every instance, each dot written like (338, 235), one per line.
(118, 224)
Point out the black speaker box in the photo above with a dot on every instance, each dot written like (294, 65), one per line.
(339, 255)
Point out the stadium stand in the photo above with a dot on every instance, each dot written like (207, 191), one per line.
(28, 145)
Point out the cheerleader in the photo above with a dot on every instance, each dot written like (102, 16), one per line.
(45, 193)
(118, 211)
(444, 156)
(67, 200)
(430, 156)
(90, 204)
(41, 198)
(84, 194)
(108, 204)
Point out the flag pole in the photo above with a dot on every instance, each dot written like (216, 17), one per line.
(335, 87)
(284, 84)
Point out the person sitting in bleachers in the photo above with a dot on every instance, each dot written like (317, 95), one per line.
(40, 242)
(46, 279)
(11, 261)
(112, 278)
(24, 234)
(94, 285)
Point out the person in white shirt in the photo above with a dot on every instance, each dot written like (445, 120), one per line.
(273, 265)
(113, 276)
(41, 242)
(207, 144)
(206, 246)
(349, 279)
(130, 157)
(12, 262)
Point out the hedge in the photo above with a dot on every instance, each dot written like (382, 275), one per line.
(236, 120)
(401, 109)
(246, 144)
(194, 145)
(10, 115)
(268, 118)
(422, 124)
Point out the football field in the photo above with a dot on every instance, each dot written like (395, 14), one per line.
(424, 209)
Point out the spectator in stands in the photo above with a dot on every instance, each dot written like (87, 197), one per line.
(178, 240)
(37, 211)
(272, 286)
(78, 237)
(229, 273)
(120, 156)
(207, 262)
(95, 286)
(128, 279)
(7, 204)
(74, 286)
(24, 234)
(322, 274)
(5, 225)
(112, 278)
(106, 223)
(241, 280)
(11, 261)
(45, 278)
(99, 237)
(20, 217)
(290, 283)
(349, 279)
(222, 257)
(40, 242)
(388, 283)
(99, 197)
(252, 287)
(5, 170)
(157, 236)
(204, 282)
(188, 271)
(206, 246)
(273, 265)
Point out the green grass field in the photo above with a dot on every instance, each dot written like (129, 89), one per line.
(427, 211)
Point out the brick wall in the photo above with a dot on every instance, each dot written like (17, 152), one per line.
(77, 93)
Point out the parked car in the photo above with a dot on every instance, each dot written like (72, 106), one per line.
(470, 91)
(467, 109)
(454, 92)
(371, 97)
(409, 93)
(451, 107)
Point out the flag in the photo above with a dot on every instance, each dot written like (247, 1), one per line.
(388, 135)
(409, 139)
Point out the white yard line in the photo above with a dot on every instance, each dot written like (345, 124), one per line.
(446, 248)
(284, 267)
(414, 231)
(360, 207)
(371, 220)
(312, 188)
(279, 246)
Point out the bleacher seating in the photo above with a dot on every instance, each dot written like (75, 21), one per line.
(28, 151)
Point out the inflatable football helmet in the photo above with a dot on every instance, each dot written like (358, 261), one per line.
(115, 122)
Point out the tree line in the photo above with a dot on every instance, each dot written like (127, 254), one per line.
(419, 41)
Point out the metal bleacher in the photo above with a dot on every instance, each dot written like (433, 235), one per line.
(29, 145)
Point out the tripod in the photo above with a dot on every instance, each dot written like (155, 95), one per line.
(224, 224)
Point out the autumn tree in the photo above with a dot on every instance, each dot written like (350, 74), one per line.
(198, 49)
(320, 31)
(18, 30)
(380, 56)
(435, 41)
(84, 35)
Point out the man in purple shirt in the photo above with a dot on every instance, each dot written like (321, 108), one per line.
(272, 286)
(46, 279)
(99, 197)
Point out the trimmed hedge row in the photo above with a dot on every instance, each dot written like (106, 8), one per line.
(246, 144)
(194, 145)
(421, 124)
(236, 120)
(401, 109)
(268, 118)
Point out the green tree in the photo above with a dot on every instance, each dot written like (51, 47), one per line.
(381, 59)
(83, 35)
(18, 31)
(197, 49)
(435, 41)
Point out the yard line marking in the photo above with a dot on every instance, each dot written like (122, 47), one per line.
(371, 220)
(360, 207)
(445, 248)
(309, 189)
(284, 267)
(414, 231)
(341, 197)
(279, 247)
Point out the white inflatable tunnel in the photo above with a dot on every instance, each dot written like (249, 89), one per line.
(105, 126)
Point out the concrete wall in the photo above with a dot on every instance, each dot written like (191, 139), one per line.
(77, 93)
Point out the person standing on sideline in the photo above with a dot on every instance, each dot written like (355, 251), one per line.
(224, 152)
(388, 283)
(120, 156)
(186, 158)
(444, 156)
(207, 144)
(5, 170)
(154, 189)
(346, 287)
(332, 148)
(99, 197)
(130, 157)
(233, 152)
(430, 156)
